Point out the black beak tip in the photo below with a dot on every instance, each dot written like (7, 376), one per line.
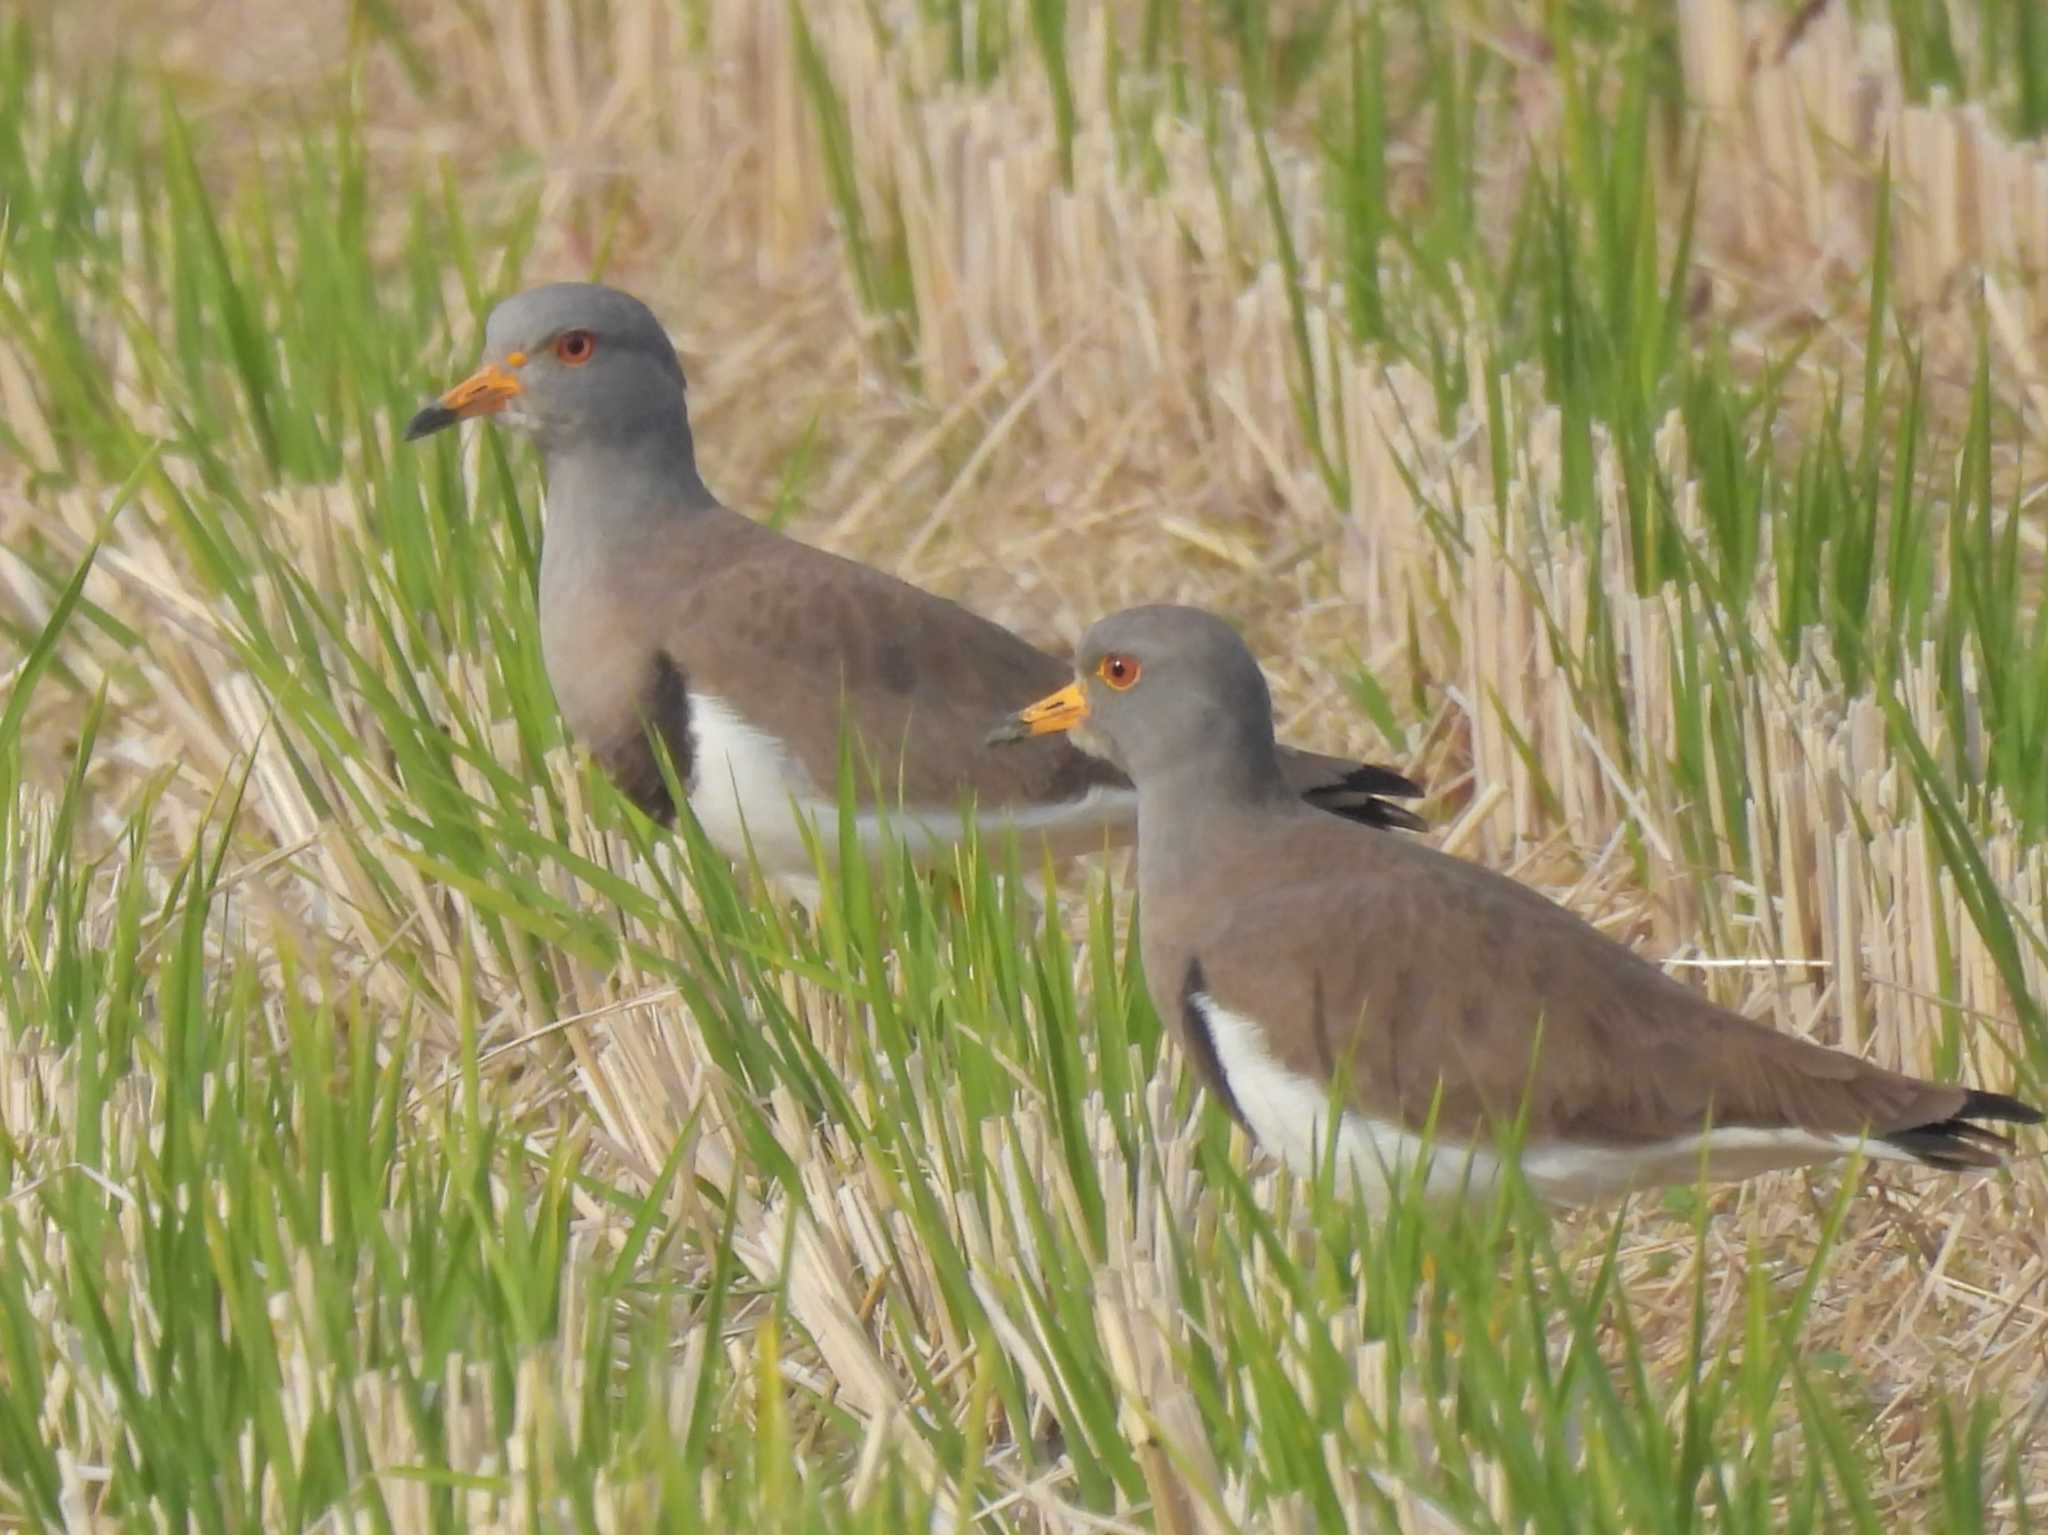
(1009, 728)
(431, 419)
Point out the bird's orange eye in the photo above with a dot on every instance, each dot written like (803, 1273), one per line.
(1118, 671)
(575, 347)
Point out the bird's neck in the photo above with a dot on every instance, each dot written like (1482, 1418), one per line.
(613, 517)
(1184, 808)
(643, 476)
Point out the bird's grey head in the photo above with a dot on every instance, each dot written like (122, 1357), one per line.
(1165, 692)
(577, 365)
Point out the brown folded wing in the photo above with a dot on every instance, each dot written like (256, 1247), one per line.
(1428, 980)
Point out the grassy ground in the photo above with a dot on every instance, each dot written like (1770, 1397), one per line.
(1620, 413)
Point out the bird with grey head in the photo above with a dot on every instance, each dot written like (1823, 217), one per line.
(1305, 964)
(1205, 713)
(579, 367)
(689, 644)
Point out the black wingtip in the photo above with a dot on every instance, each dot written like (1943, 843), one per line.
(1374, 778)
(2001, 1106)
(1357, 796)
(1378, 813)
(431, 419)
(1958, 1143)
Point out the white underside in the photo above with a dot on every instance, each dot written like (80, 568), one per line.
(1289, 1114)
(746, 789)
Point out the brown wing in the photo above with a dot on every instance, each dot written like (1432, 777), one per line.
(918, 677)
(922, 679)
(1414, 973)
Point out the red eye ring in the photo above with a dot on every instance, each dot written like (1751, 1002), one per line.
(1119, 671)
(575, 347)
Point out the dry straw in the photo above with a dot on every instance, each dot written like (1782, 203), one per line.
(1126, 355)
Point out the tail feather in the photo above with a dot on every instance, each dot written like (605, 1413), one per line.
(1957, 1142)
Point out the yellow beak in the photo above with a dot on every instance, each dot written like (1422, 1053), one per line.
(491, 388)
(1059, 711)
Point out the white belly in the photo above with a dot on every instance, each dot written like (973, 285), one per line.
(1290, 1115)
(747, 790)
